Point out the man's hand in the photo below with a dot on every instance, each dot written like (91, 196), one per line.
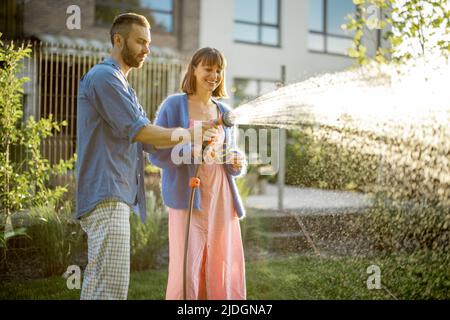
(162, 137)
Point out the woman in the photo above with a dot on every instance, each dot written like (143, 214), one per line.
(215, 257)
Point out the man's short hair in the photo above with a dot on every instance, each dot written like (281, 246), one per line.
(123, 22)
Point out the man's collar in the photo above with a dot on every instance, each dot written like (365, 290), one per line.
(111, 61)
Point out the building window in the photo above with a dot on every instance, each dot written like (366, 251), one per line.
(325, 20)
(158, 12)
(245, 90)
(257, 21)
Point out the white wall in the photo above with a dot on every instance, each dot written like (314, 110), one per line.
(262, 62)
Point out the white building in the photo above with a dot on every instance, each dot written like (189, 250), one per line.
(256, 36)
(259, 36)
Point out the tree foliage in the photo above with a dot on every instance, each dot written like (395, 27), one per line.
(411, 29)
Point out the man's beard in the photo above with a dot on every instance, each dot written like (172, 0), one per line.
(129, 59)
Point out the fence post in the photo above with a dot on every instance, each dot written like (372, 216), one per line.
(282, 153)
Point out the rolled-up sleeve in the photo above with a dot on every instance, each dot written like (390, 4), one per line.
(162, 158)
(115, 104)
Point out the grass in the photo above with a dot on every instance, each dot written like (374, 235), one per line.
(143, 285)
(300, 277)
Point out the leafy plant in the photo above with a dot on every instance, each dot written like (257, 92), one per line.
(56, 236)
(411, 29)
(318, 163)
(147, 239)
(24, 182)
(4, 237)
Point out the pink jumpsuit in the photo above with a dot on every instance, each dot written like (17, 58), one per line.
(215, 265)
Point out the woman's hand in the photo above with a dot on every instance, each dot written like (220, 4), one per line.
(203, 126)
(211, 135)
(237, 161)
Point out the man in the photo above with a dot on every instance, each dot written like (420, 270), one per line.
(112, 132)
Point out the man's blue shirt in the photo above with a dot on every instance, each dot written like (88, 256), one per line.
(109, 164)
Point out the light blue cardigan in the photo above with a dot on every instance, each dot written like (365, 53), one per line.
(173, 113)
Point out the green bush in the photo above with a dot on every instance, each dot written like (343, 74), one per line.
(243, 187)
(148, 239)
(396, 225)
(152, 182)
(25, 179)
(56, 236)
(55, 240)
(410, 210)
(317, 163)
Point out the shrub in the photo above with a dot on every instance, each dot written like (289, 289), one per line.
(147, 239)
(24, 180)
(56, 236)
(408, 226)
(55, 239)
(317, 163)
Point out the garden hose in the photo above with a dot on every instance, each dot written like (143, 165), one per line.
(194, 183)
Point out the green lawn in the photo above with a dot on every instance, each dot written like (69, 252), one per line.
(296, 277)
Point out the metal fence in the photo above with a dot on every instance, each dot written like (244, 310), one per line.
(54, 70)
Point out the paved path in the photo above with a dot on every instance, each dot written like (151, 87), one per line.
(310, 201)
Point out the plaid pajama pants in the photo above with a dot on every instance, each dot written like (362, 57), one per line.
(107, 273)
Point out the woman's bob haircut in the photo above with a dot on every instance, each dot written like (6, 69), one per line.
(209, 57)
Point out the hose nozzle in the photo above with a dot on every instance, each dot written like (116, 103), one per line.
(225, 119)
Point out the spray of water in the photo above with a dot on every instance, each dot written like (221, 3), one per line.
(399, 113)
(394, 123)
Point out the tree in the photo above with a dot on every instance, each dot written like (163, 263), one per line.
(23, 182)
(411, 28)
